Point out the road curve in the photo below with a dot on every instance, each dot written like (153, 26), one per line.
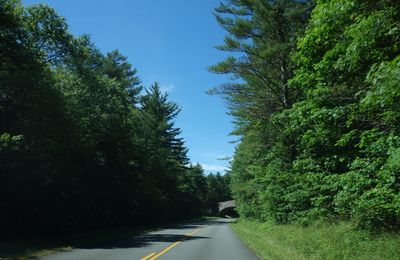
(208, 240)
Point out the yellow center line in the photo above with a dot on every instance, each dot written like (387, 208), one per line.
(165, 250)
(148, 256)
(153, 257)
(194, 232)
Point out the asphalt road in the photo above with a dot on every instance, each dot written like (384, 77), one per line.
(195, 241)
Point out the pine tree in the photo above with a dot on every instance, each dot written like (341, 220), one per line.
(261, 36)
(162, 137)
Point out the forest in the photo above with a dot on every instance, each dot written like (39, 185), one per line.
(315, 95)
(83, 145)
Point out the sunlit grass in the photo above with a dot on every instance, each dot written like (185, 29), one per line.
(319, 241)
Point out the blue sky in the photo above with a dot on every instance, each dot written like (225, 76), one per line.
(172, 42)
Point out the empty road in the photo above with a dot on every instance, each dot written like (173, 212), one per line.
(195, 241)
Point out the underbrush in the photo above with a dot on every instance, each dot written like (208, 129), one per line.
(317, 241)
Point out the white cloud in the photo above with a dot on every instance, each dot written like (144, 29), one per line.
(218, 156)
(213, 167)
(224, 158)
(167, 88)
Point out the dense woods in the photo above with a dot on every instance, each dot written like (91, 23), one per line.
(316, 103)
(82, 144)
(315, 98)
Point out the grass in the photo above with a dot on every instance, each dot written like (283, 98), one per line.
(34, 247)
(318, 241)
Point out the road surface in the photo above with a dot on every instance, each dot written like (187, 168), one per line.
(206, 240)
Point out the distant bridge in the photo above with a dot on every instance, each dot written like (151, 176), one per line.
(227, 208)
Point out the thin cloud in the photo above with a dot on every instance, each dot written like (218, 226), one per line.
(167, 88)
(213, 167)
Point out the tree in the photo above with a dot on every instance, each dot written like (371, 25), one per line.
(164, 149)
(33, 124)
(192, 190)
(217, 190)
(261, 37)
(349, 52)
(80, 148)
(332, 152)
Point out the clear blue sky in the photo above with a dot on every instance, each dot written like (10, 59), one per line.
(172, 42)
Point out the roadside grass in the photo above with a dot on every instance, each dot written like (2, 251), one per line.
(318, 241)
(37, 246)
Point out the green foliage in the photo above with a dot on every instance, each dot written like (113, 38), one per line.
(332, 151)
(217, 190)
(261, 35)
(81, 147)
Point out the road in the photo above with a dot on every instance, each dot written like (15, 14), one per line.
(195, 241)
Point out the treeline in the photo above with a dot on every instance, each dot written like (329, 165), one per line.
(317, 109)
(82, 145)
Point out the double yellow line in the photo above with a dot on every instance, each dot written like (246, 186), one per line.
(153, 256)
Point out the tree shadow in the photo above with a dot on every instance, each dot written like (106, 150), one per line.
(142, 241)
(185, 226)
(146, 239)
(105, 239)
(198, 224)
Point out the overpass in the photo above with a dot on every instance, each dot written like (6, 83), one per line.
(227, 208)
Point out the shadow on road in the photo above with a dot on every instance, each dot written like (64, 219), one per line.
(198, 224)
(142, 241)
(147, 239)
(115, 239)
(185, 226)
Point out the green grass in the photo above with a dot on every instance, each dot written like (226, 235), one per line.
(318, 241)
